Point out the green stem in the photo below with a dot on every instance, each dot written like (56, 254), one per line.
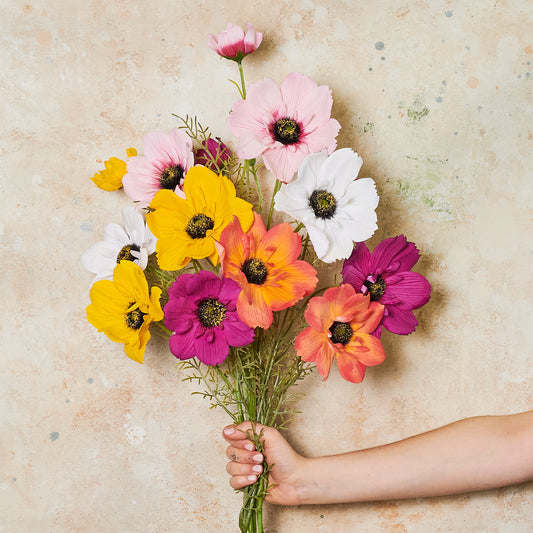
(277, 187)
(243, 86)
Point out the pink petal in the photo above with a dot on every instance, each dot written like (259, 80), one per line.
(406, 290)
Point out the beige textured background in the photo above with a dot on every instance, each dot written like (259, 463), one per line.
(441, 113)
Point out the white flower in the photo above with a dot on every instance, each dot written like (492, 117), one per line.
(335, 207)
(133, 241)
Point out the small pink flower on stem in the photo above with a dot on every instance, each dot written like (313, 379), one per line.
(213, 154)
(233, 43)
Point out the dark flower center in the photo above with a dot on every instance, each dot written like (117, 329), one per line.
(171, 177)
(135, 318)
(198, 226)
(255, 271)
(125, 253)
(341, 332)
(286, 131)
(323, 204)
(211, 313)
(376, 289)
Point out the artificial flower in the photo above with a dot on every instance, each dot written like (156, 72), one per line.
(285, 123)
(385, 275)
(110, 179)
(233, 43)
(133, 241)
(187, 228)
(166, 160)
(213, 154)
(341, 324)
(124, 308)
(265, 264)
(201, 312)
(335, 207)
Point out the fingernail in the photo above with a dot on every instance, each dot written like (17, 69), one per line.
(257, 468)
(249, 447)
(229, 430)
(257, 457)
(252, 478)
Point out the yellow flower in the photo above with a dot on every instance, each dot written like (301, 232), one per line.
(124, 308)
(188, 228)
(110, 179)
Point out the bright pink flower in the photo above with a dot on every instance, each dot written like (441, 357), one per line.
(385, 275)
(233, 43)
(284, 124)
(214, 154)
(202, 313)
(166, 160)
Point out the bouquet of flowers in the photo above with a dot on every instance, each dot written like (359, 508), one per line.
(237, 296)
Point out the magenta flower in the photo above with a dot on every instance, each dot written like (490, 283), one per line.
(233, 43)
(385, 275)
(284, 123)
(202, 313)
(167, 157)
(214, 154)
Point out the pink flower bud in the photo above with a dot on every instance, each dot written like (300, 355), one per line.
(233, 43)
(213, 154)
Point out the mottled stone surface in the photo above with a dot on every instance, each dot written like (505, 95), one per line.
(436, 97)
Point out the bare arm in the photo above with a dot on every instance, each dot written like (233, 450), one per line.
(469, 455)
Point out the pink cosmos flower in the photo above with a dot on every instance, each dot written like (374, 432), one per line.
(284, 124)
(202, 313)
(213, 154)
(233, 43)
(166, 160)
(385, 275)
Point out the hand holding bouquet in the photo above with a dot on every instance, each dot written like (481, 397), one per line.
(229, 289)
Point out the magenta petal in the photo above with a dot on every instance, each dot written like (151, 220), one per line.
(179, 287)
(399, 321)
(215, 351)
(357, 267)
(406, 290)
(183, 346)
(393, 255)
(237, 333)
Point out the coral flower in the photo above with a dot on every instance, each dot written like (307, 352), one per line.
(110, 179)
(341, 324)
(133, 241)
(285, 123)
(233, 43)
(335, 207)
(166, 160)
(385, 275)
(213, 154)
(187, 228)
(265, 264)
(124, 308)
(202, 313)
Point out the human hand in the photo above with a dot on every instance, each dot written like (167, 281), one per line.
(287, 467)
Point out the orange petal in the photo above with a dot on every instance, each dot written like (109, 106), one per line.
(252, 308)
(280, 245)
(314, 346)
(350, 368)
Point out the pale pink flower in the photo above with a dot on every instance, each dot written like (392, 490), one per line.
(284, 124)
(166, 160)
(233, 43)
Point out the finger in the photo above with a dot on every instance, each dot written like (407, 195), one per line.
(237, 438)
(243, 456)
(240, 469)
(238, 482)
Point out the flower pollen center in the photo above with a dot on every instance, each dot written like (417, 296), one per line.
(255, 271)
(286, 131)
(199, 225)
(125, 253)
(134, 319)
(323, 204)
(341, 332)
(375, 289)
(171, 177)
(211, 313)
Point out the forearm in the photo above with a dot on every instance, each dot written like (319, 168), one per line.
(472, 454)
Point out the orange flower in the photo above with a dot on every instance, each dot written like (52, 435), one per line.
(341, 324)
(265, 264)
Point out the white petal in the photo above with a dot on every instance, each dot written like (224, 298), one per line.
(116, 235)
(309, 171)
(319, 240)
(340, 170)
(295, 204)
(142, 257)
(340, 244)
(100, 258)
(361, 192)
(134, 225)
